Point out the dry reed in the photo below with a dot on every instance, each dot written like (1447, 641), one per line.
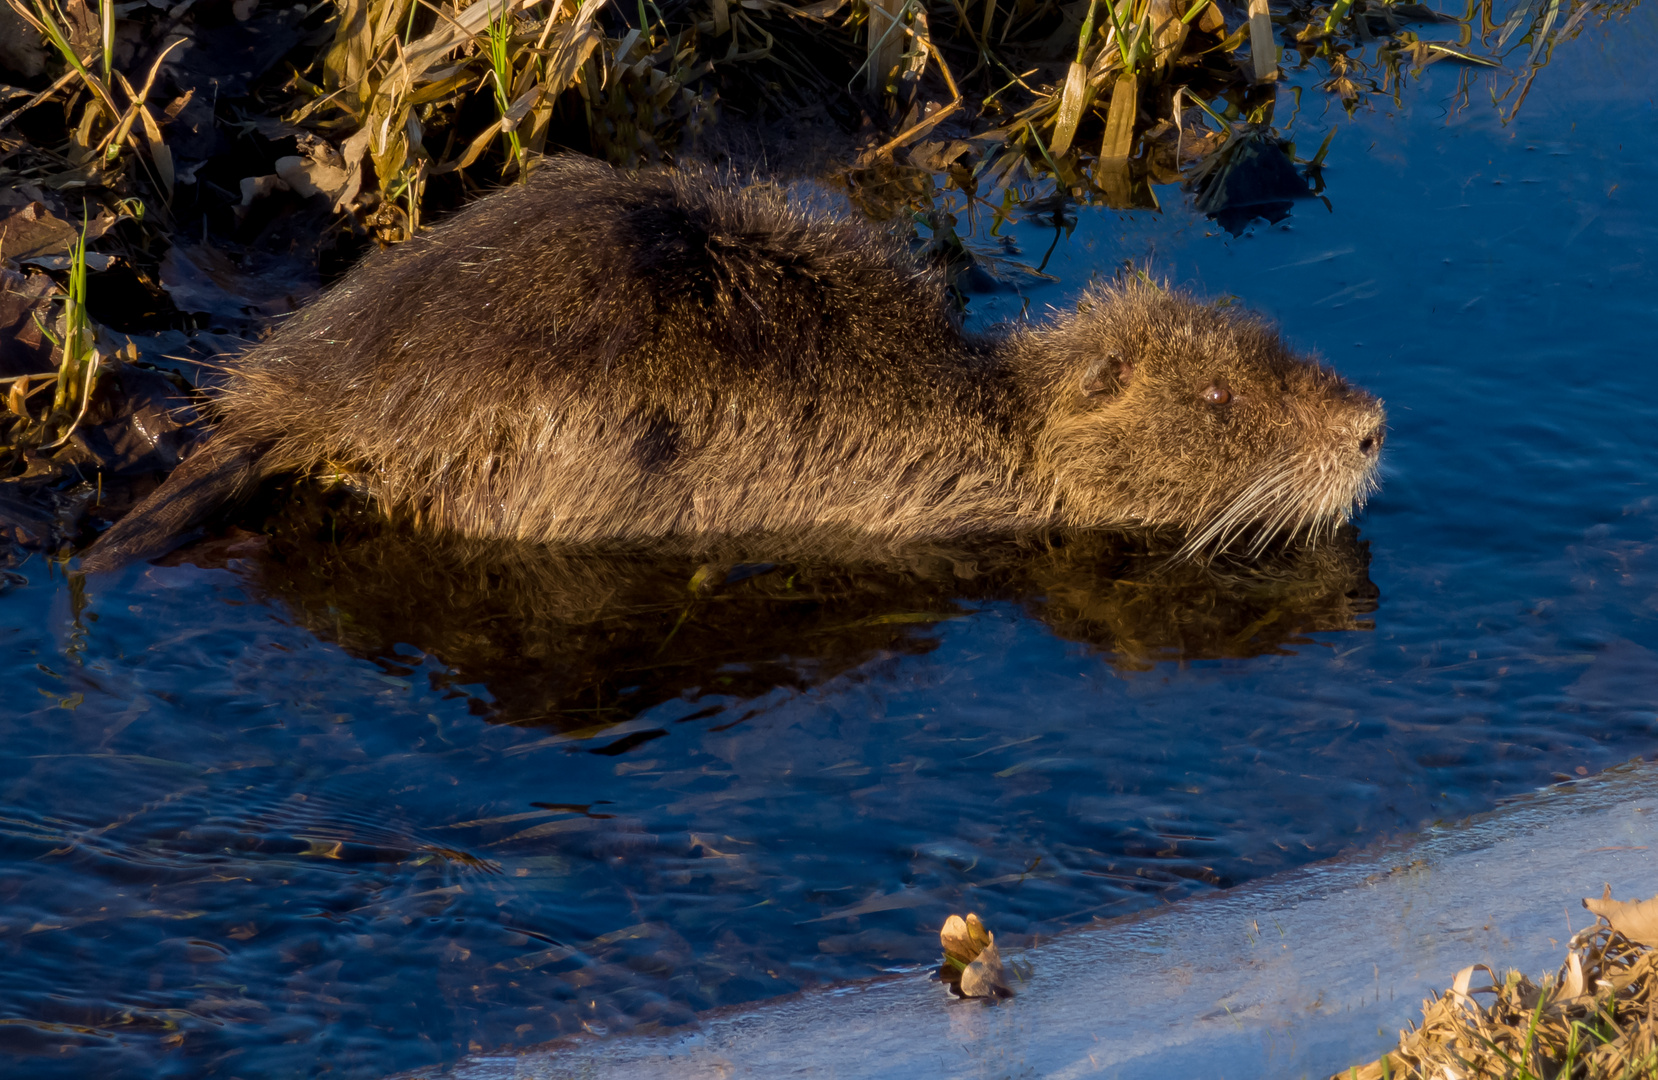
(1597, 1019)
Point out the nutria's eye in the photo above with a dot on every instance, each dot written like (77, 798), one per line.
(1217, 394)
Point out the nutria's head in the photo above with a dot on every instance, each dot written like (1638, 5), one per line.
(1164, 410)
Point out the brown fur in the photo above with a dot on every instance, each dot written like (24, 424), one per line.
(603, 355)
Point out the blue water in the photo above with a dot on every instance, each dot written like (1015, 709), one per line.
(265, 814)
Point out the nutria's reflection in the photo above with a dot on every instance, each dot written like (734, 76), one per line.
(573, 637)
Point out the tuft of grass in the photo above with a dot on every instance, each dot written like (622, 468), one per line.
(503, 71)
(1592, 1021)
(78, 359)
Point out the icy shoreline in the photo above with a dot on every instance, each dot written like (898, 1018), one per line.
(1296, 975)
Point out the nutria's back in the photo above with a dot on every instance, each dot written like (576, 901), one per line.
(598, 354)
(602, 354)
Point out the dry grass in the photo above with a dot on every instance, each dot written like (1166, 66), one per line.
(1595, 1020)
(403, 91)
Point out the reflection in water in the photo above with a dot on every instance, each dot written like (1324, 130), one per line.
(703, 781)
(1516, 39)
(571, 638)
(1233, 145)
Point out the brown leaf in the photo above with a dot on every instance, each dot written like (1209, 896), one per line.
(25, 305)
(985, 976)
(14, 400)
(33, 230)
(204, 279)
(963, 939)
(1635, 920)
(139, 424)
(903, 898)
(1573, 985)
(307, 176)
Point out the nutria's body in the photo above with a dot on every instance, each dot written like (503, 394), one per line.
(603, 355)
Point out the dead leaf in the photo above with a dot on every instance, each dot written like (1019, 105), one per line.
(1574, 985)
(95, 262)
(15, 399)
(204, 279)
(971, 949)
(308, 177)
(1635, 920)
(964, 939)
(140, 424)
(1459, 986)
(25, 305)
(985, 976)
(903, 898)
(34, 231)
(257, 187)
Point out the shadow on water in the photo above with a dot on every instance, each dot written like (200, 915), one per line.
(574, 638)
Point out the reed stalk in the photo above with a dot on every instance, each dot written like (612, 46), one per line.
(501, 61)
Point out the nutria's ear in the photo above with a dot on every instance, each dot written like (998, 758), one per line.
(1107, 375)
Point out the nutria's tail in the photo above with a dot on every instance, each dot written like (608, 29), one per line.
(221, 471)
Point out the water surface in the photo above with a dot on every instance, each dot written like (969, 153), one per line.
(348, 805)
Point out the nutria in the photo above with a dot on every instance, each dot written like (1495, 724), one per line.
(597, 354)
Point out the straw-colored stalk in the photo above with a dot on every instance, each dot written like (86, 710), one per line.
(885, 42)
(1262, 48)
(1074, 99)
(106, 35)
(386, 82)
